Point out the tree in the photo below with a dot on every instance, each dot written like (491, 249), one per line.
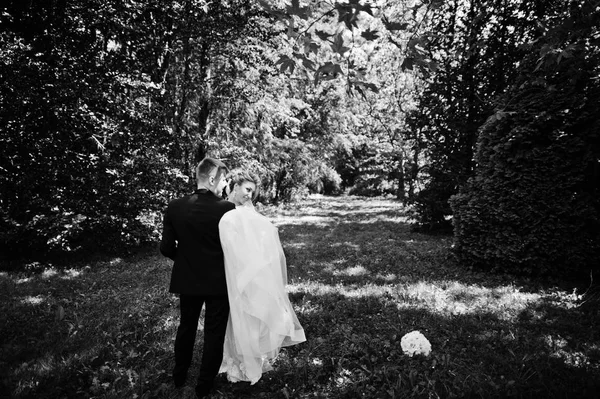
(478, 47)
(360, 47)
(68, 123)
(103, 105)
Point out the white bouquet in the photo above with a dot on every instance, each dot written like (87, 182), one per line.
(415, 343)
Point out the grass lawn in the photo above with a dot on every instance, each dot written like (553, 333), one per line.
(359, 280)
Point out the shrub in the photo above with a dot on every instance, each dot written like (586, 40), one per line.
(369, 171)
(372, 185)
(533, 205)
(431, 204)
(289, 167)
(325, 180)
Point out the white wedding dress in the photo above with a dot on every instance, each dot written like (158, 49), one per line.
(261, 319)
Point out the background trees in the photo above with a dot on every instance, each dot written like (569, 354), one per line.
(478, 47)
(107, 106)
(76, 126)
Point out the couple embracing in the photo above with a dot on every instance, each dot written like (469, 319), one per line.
(227, 258)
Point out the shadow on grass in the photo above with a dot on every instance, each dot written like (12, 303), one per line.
(360, 280)
(372, 241)
(353, 350)
(82, 333)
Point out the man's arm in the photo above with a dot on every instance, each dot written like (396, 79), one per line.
(168, 242)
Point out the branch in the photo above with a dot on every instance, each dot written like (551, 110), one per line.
(315, 21)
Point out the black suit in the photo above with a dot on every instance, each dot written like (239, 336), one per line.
(191, 238)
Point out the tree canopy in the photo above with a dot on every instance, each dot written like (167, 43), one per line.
(107, 106)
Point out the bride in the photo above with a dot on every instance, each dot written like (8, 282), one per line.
(261, 319)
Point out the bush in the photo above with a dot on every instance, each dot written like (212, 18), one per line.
(106, 212)
(431, 204)
(372, 185)
(325, 180)
(533, 205)
(367, 170)
(289, 169)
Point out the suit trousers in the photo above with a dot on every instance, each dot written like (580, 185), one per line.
(215, 324)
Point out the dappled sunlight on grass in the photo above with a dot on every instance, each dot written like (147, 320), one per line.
(71, 273)
(296, 245)
(320, 221)
(48, 273)
(115, 261)
(352, 271)
(562, 350)
(379, 219)
(32, 300)
(370, 279)
(349, 245)
(85, 330)
(359, 279)
(449, 298)
(446, 299)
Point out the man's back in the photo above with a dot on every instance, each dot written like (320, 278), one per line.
(191, 239)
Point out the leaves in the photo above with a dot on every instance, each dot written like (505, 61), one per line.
(109, 91)
(370, 35)
(286, 63)
(348, 14)
(394, 26)
(407, 63)
(295, 9)
(323, 35)
(338, 44)
(361, 86)
(328, 71)
(310, 46)
(531, 162)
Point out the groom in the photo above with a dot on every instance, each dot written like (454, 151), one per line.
(191, 238)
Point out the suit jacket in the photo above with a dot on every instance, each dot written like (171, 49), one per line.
(191, 238)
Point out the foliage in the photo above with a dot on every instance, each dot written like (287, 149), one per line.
(370, 51)
(324, 37)
(533, 205)
(105, 328)
(374, 172)
(75, 143)
(478, 46)
(215, 62)
(325, 180)
(106, 107)
(102, 121)
(290, 170)
(281, 133)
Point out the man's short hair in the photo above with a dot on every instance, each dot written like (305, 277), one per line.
(207, 165)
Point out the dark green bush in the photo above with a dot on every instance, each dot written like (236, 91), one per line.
(325, 180)
(431, 203)
(533, 205)
(372, 185)
(288, 171)
(367, 170)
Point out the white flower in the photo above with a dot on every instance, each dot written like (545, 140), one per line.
(415, 343)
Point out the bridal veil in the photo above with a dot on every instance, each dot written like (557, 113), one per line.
(261, 319)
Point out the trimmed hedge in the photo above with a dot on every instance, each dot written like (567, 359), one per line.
(533, 205)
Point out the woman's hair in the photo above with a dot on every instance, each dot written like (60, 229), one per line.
(238, 176)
